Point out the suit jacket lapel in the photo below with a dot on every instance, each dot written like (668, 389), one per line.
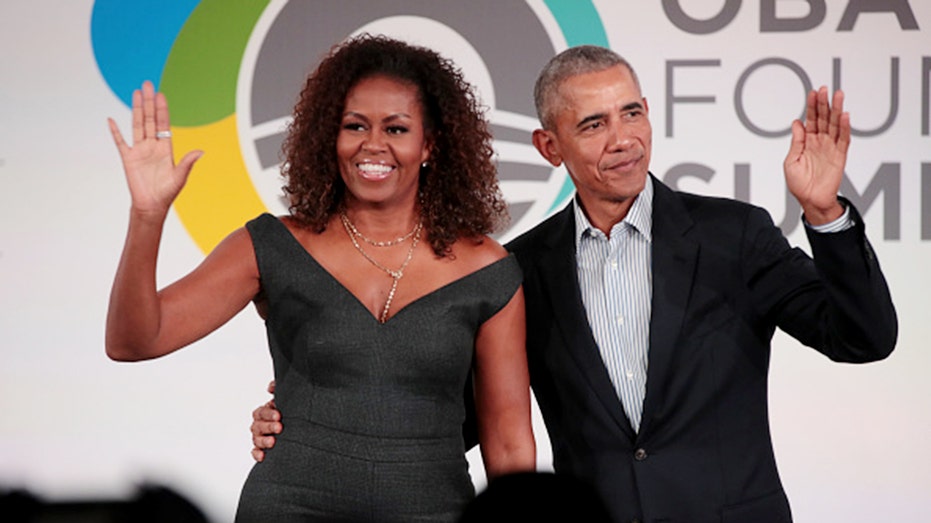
(674, 260)
(559, 272)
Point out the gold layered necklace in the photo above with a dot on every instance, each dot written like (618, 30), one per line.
(355, 232)
(395, 275)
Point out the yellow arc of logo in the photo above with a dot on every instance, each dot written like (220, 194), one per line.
(219, 196)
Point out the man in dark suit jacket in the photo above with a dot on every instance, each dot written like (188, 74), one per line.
(693, 444)
(653, 384)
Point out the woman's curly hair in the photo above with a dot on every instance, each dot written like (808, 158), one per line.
(458, 190)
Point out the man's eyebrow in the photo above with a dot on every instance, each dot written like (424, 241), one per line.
(591, 118)
(600, 116)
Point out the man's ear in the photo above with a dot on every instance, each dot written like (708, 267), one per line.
(546, 144)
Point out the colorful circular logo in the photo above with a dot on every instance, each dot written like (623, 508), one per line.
(232, 72)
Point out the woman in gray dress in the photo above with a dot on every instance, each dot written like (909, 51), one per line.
(380, 290)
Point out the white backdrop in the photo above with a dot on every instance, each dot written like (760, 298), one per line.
(851, 441)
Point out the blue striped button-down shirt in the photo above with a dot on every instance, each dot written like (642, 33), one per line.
(616, 280)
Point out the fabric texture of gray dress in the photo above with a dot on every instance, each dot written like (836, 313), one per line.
(372, 412)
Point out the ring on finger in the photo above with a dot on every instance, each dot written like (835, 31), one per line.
(163, 134)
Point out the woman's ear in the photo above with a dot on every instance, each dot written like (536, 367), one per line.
(428, 144)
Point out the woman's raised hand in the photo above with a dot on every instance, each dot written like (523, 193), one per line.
(154, 179)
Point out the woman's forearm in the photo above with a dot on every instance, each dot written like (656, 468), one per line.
(133, 318)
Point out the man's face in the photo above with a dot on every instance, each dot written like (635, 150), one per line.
(601, 131)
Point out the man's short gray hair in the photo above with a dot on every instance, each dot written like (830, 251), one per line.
(571, 62)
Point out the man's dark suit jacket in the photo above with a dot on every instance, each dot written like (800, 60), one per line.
(724, 278)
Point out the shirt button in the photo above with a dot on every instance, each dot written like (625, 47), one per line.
(640, 455)
(630, 375)
(614, 264)
(619, 319)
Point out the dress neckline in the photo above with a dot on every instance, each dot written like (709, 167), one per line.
(443, 288)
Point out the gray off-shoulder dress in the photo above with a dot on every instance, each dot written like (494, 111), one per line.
(372, 412)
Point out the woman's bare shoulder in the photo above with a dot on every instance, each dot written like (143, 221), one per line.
(479, 252)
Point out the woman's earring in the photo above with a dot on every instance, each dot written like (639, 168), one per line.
(424, 165)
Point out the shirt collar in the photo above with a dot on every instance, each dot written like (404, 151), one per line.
(639, 217)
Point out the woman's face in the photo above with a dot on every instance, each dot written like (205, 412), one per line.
(382, 142)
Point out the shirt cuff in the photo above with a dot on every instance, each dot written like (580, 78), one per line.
(842, 223)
